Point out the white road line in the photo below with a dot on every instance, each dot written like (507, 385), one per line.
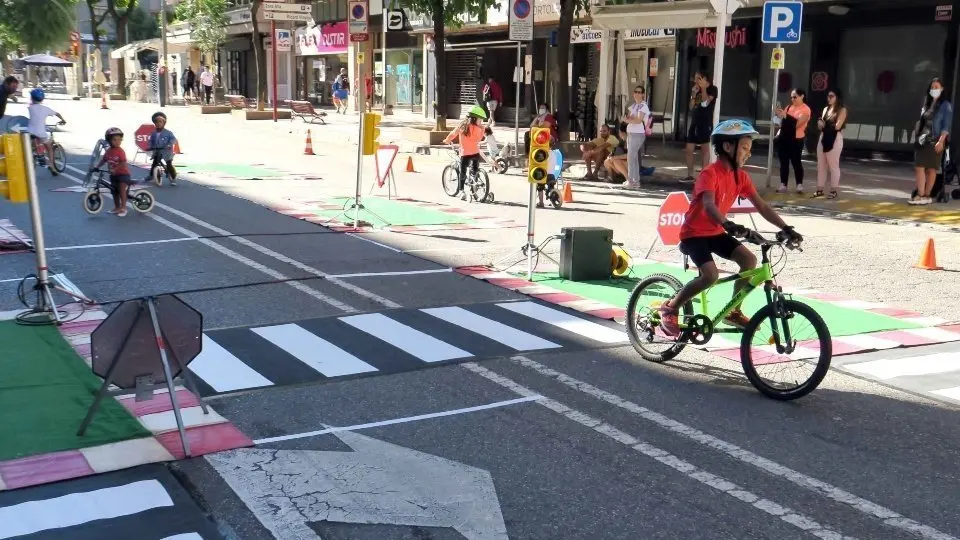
(457, 249)
(242, 259)
(269, 253)
(121, 244)
(410, 340)
(374, 242)
(223, 371)
(403, 420)
(949, 393)
(490, 329)
(186, 536)
(78, 508)
(570, 323)
(788, 515)
(888, 516)
(889, 368)
(399, 273)
(314, 351)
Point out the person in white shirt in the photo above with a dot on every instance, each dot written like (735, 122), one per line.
(37, 125)
(206, 80)
(636, 120)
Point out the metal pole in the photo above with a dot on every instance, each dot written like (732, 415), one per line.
(168, 376)
(162, 78)
(531, 246)
(39, 244)
(383, 58)
(718, 65)
(362, 94)
(89, 71)
(773, 127)
(518, 74)
(273, 41)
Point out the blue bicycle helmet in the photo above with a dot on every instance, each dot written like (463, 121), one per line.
(731, 131)
(37, 94)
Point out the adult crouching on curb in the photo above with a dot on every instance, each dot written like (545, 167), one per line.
(932, 133)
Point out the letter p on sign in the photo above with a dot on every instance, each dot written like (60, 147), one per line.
(782, 21)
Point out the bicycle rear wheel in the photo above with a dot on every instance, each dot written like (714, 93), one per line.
(643, 318)
(807, 364)
(481, 186)
(59, 159)
(450, 179)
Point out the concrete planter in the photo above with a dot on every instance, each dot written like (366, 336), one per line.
(252, 114)
(423, 135)
(213, 109)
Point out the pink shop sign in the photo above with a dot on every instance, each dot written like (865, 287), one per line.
(323, 39)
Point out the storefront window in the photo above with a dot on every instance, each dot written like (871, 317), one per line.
(795, 75)
(404, 72)
(884, 73)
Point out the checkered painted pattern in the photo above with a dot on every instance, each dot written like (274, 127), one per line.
(205, 433)
(936, 330)
(12, 239)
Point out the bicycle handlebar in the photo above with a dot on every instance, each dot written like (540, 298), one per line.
(782, 239)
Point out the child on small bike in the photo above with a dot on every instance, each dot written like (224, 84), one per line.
(120, 179)
(706, 229)
(471, 133)
(37, 125)
(161, 143)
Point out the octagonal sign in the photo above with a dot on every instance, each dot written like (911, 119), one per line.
(671, 216)
(128, 336)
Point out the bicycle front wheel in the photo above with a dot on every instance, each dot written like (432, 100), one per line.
(450, 179)
(643, 318)
(802, 369)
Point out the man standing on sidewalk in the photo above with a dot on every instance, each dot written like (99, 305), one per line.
(206, 79)
(492, 96)
(8, 88)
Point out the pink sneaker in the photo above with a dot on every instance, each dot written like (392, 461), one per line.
(669, 323)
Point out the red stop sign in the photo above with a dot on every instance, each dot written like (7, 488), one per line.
(670, 217)
(142, 136)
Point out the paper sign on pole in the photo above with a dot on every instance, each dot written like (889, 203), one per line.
(777, 58)
(521, 20)
(284, 40)
(358, 20)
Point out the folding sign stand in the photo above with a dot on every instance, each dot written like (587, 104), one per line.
(383, 158)
(530, 250)
(144, 384)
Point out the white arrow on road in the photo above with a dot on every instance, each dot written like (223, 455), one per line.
(377, 483)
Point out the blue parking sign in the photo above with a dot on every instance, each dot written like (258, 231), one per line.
(782, 21)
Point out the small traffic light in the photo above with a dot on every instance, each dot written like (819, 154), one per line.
(13, 169)
(539, 158)
(370, 133)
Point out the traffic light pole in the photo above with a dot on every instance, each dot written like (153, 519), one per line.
(361, 107)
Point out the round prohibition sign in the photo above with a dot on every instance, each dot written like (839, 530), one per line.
(521, 8)
(358, 11)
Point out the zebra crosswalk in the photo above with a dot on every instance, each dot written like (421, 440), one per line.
(146, 503)
(388, 342)
(930, 371)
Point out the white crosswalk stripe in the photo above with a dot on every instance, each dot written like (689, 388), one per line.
(224, 371)
(318, 353)
(412, 341)
(570, 323)
(513, 338)
(901, 367)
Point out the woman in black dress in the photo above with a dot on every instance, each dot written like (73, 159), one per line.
(702, 102)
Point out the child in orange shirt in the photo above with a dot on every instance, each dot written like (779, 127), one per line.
(471, 133)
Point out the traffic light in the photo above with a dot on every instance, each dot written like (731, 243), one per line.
(539, 158)
(370, 133)
(13, 169)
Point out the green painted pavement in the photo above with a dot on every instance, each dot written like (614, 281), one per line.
(383, 212)
(45, 391)
(236, 170)
(841, 321)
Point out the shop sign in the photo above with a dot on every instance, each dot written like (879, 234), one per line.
(736, 37)
(651, 33)
(284, 40)
(654, 66)
(588, 34)
(944, 13)
(546, 10)
(585, 34)
(322, 39)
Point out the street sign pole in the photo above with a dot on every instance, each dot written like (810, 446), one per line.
(773, 127)
(361, 107)
(782, 23)
(273, 41)
(518, 75)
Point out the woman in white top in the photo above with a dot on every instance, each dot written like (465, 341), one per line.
(636, 119)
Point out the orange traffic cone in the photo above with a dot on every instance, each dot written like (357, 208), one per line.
(928, 257)
(308, 151)
(567, 193)
(410, 164)
(103, 100)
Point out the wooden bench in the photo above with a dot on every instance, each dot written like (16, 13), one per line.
(305, 110)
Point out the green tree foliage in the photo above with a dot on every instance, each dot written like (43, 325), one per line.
(35, 26)
(143, 26)
(569, 9)
(208, 22)
(447, 13)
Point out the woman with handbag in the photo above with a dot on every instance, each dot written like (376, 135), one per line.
(932, 133)
(793, 131)
(831, 123)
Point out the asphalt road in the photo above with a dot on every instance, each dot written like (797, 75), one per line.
(518, 440)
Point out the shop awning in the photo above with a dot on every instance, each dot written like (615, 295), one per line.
(131, 49)
(680, 14)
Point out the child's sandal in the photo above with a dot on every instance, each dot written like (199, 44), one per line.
(832, 195)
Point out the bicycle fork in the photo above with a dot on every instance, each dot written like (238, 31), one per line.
(778, 313)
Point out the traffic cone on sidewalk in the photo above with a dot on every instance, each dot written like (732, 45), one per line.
(928, 257)
(103, 100)
(410, 164)
(308, 151)
(567, 193)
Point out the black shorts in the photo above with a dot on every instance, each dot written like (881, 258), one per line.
(118, 179)
(699, 134)
(700, 249)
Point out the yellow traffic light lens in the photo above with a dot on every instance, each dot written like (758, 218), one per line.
(538, 174)
(540, 155)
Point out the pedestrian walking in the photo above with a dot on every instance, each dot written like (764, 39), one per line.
(932, 135)
(636, 120)
(187, 82)
(832, 120)
(9, 88)
(341, 91)
(702, 103)
(206, 80)
(492, 96)
(793, 130)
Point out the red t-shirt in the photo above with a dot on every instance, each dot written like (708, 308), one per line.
(116, 160)
(717, 178)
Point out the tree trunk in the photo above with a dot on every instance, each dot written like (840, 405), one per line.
(94, 27)
(441, 72)
(567, 8)
(260, 55)
(121, 78)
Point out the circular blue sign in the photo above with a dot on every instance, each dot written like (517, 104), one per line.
(521, 8)
(358, 11)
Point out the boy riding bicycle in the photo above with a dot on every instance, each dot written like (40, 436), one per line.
(471, 133)
(707, 231)
(161, 144)
(37, 125)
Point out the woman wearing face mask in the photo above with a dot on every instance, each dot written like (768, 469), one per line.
(702, 102)
(543, 120)
(932, 134)
(793, 130)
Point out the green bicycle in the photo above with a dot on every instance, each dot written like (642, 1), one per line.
(773, 339)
